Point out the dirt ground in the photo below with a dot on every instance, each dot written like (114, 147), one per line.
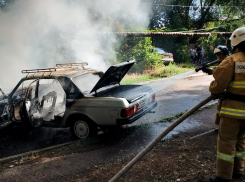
(176, 159)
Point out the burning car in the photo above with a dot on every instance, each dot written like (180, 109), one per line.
(70, 95)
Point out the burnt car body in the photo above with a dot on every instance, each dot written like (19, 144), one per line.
(70, 95)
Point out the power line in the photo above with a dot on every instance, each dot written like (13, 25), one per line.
(196, 6)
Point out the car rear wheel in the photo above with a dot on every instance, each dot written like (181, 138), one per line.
(82, 129)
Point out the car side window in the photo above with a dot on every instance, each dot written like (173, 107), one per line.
(50, 93)
(21, 91)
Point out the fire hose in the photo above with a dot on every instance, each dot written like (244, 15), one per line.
(159, 138)
(207, 65)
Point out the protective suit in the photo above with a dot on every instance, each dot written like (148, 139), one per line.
(230, 76)
(221, 53)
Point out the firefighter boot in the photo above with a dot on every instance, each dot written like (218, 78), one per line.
(217, 179)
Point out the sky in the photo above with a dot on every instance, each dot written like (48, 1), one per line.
(40, 34)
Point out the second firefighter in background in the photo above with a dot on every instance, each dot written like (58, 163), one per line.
(221, 53)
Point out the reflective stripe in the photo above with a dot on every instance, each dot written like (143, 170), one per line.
(240, 154)
(225, 157)
(233, 112)
(237, 84)
(217, 112)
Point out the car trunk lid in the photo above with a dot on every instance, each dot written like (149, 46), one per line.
(130, 92)
(114, 75)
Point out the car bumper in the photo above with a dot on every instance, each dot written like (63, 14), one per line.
(137, 115)
(167, 60)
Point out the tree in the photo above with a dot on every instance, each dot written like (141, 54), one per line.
(138, 48)
(193, 14)
(184, 15)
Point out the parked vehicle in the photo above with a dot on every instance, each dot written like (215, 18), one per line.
(167, 57)
(70, 95)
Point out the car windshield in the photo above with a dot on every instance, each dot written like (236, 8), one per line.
(86, 82)
(159, 51)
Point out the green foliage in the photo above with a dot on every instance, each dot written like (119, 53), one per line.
(138, 48)
(137, 79)
(168, 30)
(187, 65)
(210, 44)
(178, 18)
(169, 119)
(208, 107)
(182, 54)
(173, 69)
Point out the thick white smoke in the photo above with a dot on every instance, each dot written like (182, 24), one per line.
(40, 34)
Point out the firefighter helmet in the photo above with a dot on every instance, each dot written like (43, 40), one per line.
(237, 36)
(222, 49)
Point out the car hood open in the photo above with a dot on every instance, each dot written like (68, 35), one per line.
(114, 74)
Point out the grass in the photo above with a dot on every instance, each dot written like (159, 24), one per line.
(178, 115)
(208, 107)
(156, 73)
(186, 65)
(169, 119)
(136, 78)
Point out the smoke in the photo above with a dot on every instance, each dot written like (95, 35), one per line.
(40, 34)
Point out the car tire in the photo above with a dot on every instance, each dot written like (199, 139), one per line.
(81, 128)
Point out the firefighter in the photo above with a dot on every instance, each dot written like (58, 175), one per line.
(229, 76)
(221, 53)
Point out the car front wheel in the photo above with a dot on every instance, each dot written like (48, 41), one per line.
(82, 129)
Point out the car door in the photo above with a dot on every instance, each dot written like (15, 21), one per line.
(31, 115)
(4, 110)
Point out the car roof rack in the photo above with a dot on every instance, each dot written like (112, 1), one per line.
(73, 65)
(58, 67)
(39, 70)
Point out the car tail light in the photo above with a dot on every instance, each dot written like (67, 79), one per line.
(130, 111)
(153, 98)
(171, 55)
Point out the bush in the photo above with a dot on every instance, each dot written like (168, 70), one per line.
(165, 71)
(141, 49)
(183, 55)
